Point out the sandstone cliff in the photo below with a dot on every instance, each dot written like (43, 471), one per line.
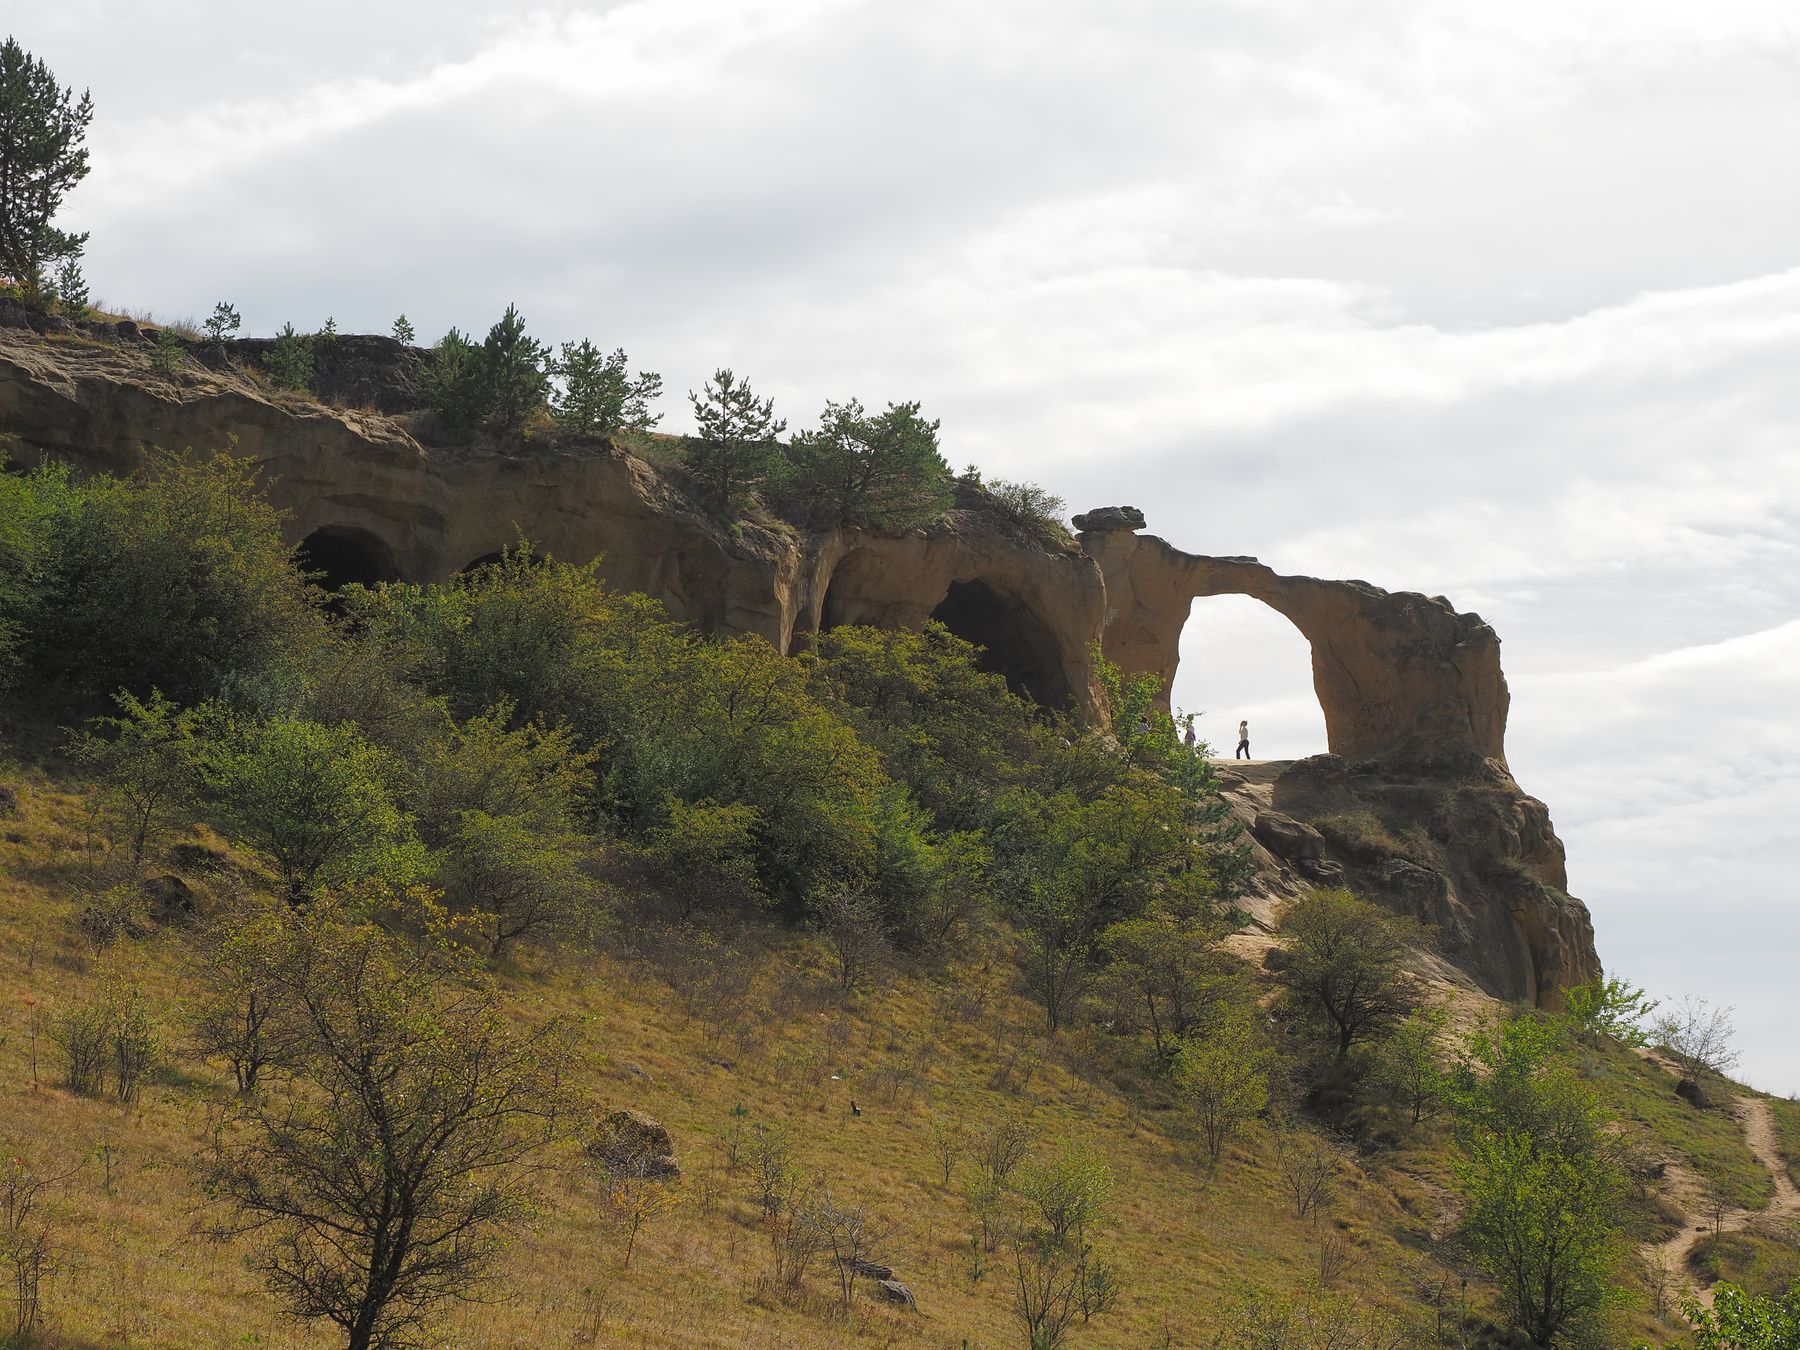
(1414, 805)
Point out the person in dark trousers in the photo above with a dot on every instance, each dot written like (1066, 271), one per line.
(1243, 750)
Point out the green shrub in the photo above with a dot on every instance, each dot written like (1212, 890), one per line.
(174, 579)
(452, 382)
(289, 362)
(166, 355)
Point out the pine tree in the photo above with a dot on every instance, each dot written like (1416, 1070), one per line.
(736, 446)
(41, 158)
(881, 469)
(598, 397)
(513, 367)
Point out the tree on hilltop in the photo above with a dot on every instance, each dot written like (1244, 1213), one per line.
(736, 446)
(42, 157)
(880, 468)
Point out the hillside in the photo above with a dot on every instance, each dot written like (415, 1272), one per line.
(716, 1039)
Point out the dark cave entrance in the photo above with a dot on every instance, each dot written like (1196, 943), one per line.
(485, 560)
(1016, 644)
(341, 555)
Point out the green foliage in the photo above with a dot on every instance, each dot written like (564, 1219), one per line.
(598, 397)
(453, 382)
(223, 323)
(1171, 973)
(736, 446)
(1223, 1074)
(1542, 1180)
(1026, 503)
(147, 763)
(167, 356)
(403, 331)
(513, 370)
(1608, 1009)
(42, 158)
(70, 289)
(668, 715)
(112, 1035)
(289, 362)
(317, 800)
(384, 1178)
(1410, 1069)
(1067, 1191)
(881, 469)
(1344, 972)
(174, 579)
(1741, 1321)
(502, 810)
(703, 855)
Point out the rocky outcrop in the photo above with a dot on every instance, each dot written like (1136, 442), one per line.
(1414, 699)
(1395, 672)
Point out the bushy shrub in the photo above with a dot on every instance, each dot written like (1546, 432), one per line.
(172, 579)
(452, 381)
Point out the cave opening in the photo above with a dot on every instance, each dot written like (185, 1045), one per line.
(339, 555)
(485, 560)
(1014, 641)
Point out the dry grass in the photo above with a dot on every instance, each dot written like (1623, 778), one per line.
(773, 1038)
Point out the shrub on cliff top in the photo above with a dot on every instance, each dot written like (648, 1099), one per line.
(881, 469)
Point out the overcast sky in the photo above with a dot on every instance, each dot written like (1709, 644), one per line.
(1498, 301)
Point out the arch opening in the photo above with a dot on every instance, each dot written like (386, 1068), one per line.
(1242, 660)
(1015, 641)
(485, 560)
(342, 555)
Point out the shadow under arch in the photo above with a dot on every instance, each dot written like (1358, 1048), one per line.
(1015, 643)
(345, 555)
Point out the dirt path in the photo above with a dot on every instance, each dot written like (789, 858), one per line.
(1686, 1192)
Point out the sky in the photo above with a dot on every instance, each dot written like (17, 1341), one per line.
(1500, 302)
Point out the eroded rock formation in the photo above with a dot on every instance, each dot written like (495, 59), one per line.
(1414, 804)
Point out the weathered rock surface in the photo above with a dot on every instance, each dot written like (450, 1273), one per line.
(1414, 699)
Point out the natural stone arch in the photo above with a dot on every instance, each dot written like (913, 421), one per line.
(1239, 658)
(1014, 642)
(1393, 671)
(343, 555)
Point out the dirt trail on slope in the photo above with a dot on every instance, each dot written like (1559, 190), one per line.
(1687, 1193)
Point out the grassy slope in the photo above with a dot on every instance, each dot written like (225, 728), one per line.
(136, 1273)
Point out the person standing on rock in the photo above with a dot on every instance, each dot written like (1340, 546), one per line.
(1243, 750)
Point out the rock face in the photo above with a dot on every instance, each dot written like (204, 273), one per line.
(1414, 699)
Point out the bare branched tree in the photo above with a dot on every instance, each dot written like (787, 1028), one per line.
(1698, 1035)
(1307, 1164)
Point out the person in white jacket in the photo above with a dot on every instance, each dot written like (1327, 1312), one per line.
(1243, 750)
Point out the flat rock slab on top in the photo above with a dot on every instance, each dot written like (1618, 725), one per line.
(1250, 770)
(1110, 518)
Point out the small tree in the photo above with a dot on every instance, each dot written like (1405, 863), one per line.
(403, 331)
(856, 1237)
(948, 1140)
(314, 798)
(1224, 1074)
(513, 369)
(167, 356)
(29, 1252)
(1698, 1035)
(71, 288)
(1004, 1145)
(1608, 1009)
(453, 383)
(883, 468)
(239, 1014)
(148, 763)
(42, 158)
(223, 324)
(1307, 1164)
(1068, 1192)
(736, 444)
(1411, 1070)
(1172, 971)
(597, 397)
(1345, 966)
(851, 922)
(1740, 1321)
(289, 362)
(384, 1180)
(634, 1197)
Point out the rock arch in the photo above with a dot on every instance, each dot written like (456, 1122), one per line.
(1014, 641)
(1394, 671)
(344, 555)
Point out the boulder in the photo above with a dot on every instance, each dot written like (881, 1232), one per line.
(870, 1271)
(1694, 1092)
(631, 1143)
(1286, 837)
(1110, 518)
(171, 899)
(892, 1291)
